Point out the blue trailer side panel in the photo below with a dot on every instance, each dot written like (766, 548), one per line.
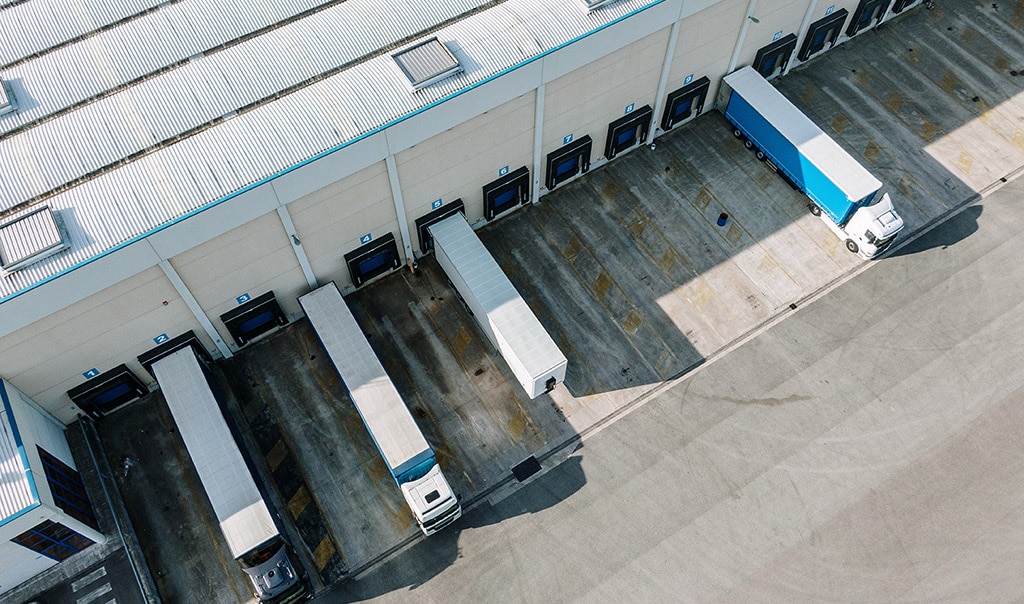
(787, 157)
(823, 170)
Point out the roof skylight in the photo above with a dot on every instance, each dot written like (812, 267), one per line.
(30, 238)
(426, 62)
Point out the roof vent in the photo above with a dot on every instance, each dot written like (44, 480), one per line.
(595, 4)
(6, 99)
(426, 62)
(31, 238)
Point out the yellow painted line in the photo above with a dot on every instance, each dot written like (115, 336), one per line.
(895, 102)
(668, 261)
(636, 229)
(871, 152)
(1001, 63)
(633, 321)
(808, 94)
(461, 341)
(765, 178)
(839, 123)
(1018, 138)
(602, 285)
(516, 426)
(929, 130)
(704, 197)
(863, 77)
(734, 234)
(323, 552)
(949, 82)
(572, 249)
(276, 455)
(965, 162)
(298, 502)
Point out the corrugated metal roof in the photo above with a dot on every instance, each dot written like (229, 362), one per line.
(16, 493)
(41, 24)
(155, 151)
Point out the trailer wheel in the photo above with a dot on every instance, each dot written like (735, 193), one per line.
(815, 210)
(852, 246)
(760, 155)
(749, 144)
(736, 132)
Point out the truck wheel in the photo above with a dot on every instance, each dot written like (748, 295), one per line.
(736, 132)
(852, 246)
(760, 155)
(815, 210)
(749, 144)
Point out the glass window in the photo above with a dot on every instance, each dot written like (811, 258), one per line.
(53, 540)
(68, 490)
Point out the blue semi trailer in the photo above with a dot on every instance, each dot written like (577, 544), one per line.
(840, 189)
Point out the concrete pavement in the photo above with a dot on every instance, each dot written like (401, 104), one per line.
(867, 448)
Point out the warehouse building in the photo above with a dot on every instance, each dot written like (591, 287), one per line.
(173, 167)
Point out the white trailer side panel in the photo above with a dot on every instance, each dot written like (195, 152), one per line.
(383, 411)
(499, 309)
(814, 145)
(239, 507)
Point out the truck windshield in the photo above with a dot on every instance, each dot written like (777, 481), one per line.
(419, 470)
(262, 554)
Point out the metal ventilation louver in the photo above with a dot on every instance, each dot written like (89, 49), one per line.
(6, 100)
(30, 238)
(426, 62)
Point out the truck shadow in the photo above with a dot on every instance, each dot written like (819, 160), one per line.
(424, 559)
(950, 232)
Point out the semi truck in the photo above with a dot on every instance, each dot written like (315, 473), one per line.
(841, 191)
(399, 440)
(251, 534)
(501, 312)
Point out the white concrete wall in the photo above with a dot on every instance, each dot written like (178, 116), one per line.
(113, 326)
(252, 259)
(457, 163)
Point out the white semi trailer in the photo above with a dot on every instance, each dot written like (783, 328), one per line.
(500, 311)
(248, 528)
(385, 415)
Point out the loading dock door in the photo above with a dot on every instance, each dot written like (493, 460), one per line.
(822, 34)
(867, 15)
(772, 59)
(685, 103)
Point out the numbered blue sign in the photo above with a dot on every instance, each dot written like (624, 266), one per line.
(91, 373)
(629, 108)
(433, 206)
(503, 171)
(828, 11)
(777, 35)
(243, 298)
(567, 139)
(688, 79)
(367, 237)
(160, 339)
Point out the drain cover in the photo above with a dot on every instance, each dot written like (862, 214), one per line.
(526, 468)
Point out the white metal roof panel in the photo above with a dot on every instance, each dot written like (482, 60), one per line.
(42, 24)
(364, 92)
(509, 316)
(383, 411)
(236, 501)
(813, 143)
(16, 491)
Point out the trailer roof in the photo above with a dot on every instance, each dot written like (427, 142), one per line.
(383, 411)
(818, 147)
(240, 509)
(511, 319)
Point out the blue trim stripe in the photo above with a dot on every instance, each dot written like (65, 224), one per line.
(334, 149)
(21, 452)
